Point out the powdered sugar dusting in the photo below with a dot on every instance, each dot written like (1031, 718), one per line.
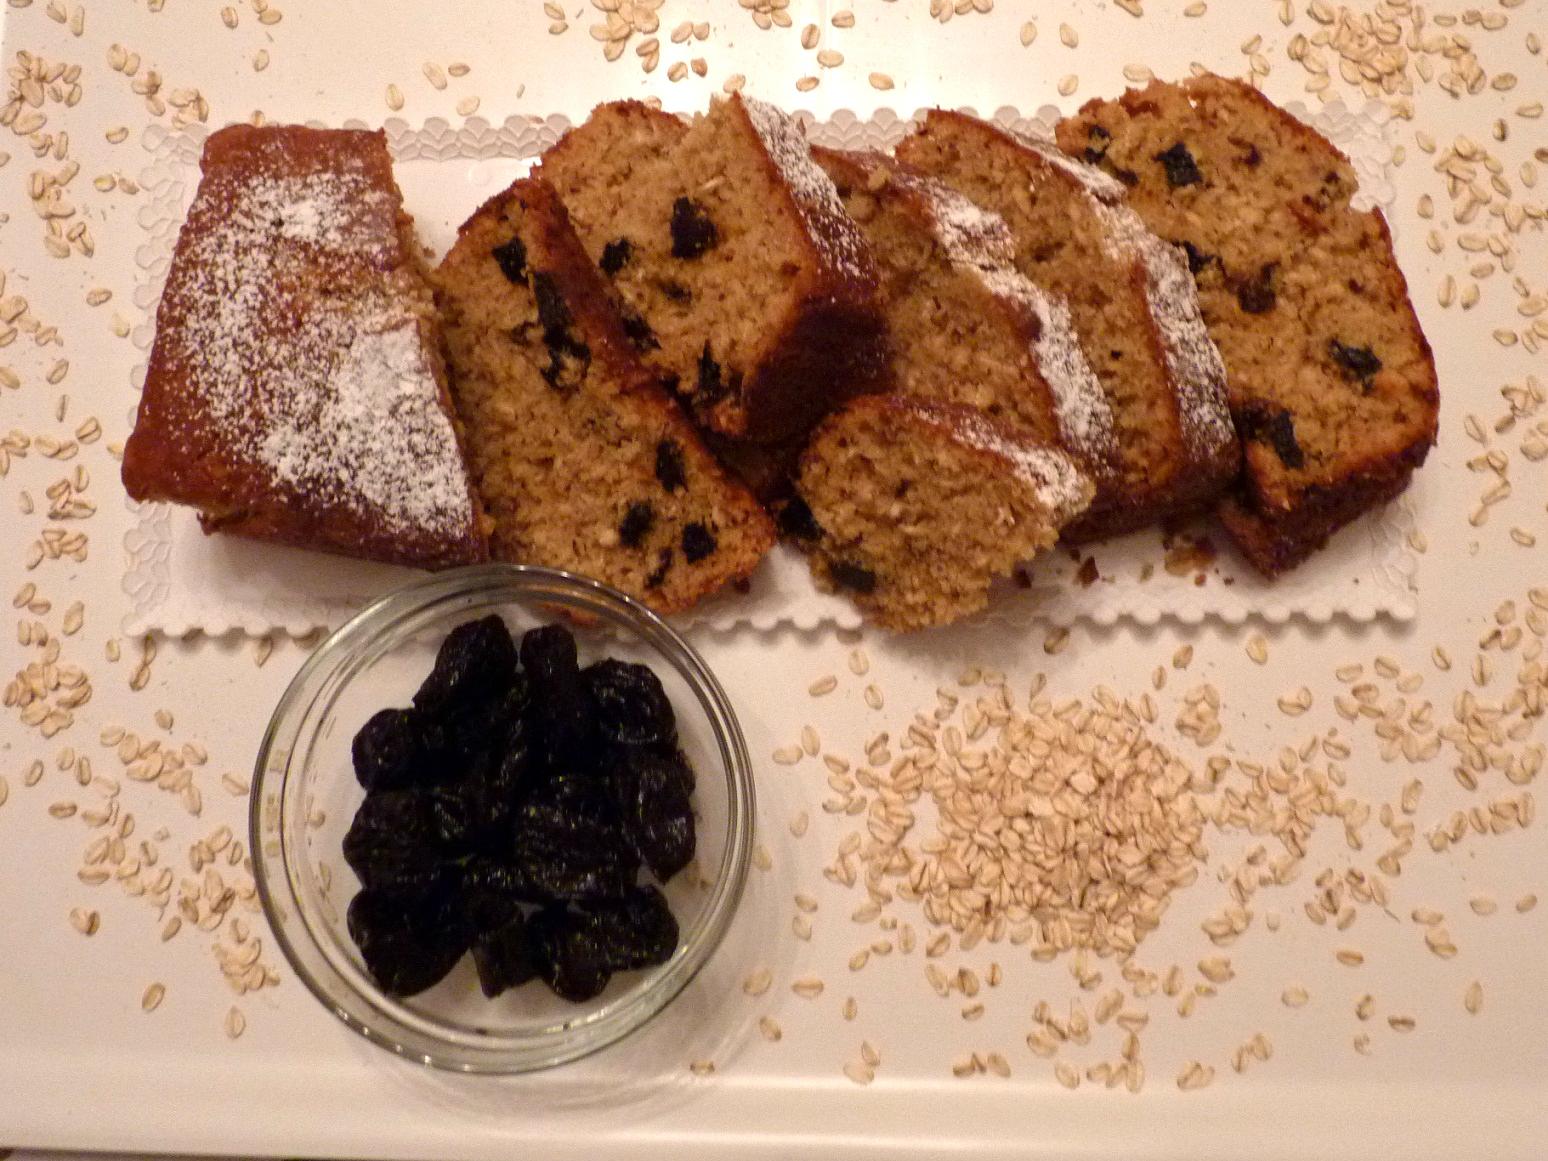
(1059, 485)
(822, 211)
(1192, 359)
(1099, 185)
(981, 241)
(300, 337)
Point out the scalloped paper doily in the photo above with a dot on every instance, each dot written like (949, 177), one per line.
(180, 580)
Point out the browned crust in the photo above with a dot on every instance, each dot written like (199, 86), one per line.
(1201, 472)
(177, 454)
(554, 248)
(1274, 529)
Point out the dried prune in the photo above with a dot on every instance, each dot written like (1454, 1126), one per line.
(852, 576)
(492, 891)
(1180, 167)
(1358, 363)
(652, 787)
(386, 750)
(670, 473)
(636, 524)
(567, 842)
(476, 661)
(1274, 426)
(502, 957)
(710, 385)
(553, 313)
(698, 542)
(1097, 141)
(693, 233)
(559, 705)
(1197, 259)
(566, 954)
(675, 290)
(638, 330)
(659, 573)
(392, 842)
(797, 520)
(568, 362)
(615, 256)
(631, 706)
(409, 941)
(637, 931)
(1256, 295)
(512, 258)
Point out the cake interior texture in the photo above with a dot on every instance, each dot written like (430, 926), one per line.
(582, 460)
(912, 508)
(1331, 381)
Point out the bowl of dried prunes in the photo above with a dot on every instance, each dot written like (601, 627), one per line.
(501, 818)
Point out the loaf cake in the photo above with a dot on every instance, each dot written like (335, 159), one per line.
(1332, 383)
(582, 459)
(295, 391)
(1133, 304)
(964, 326)
(912, 507)
(741, 279)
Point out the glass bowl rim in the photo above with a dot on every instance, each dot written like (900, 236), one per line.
(277, 888)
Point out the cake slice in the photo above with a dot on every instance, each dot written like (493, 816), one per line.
(1332, 383)
(743, 282)
(295, 391)
(582, 460)
(964, 326)
(912, 507)
(1134, 307)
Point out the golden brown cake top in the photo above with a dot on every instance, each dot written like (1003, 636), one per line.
(293, 391)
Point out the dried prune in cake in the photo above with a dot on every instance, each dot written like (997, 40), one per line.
(1357, 362)
(652, 786)
(502, 957)
(698, 542)
(409, 941)
(638, 330)
(386, 750)
(511, 257)
(693, 233)
(670, 473)
(567, 955)
(1265, 423)
(636, 524)
(658, 574)
(631, 706)
(852, 577)
(476, 661)
(392, 842)
(615, 256)
(1256, 295)
(1197, 259)
(567, 841)
(1180, 167)
(638, 931)
(797, 521)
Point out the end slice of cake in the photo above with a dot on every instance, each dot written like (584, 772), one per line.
(913, 507)
(1332, 383)
(295, 391)
(742, 280)
(1134, 306)
(964, 326)
(582, 460)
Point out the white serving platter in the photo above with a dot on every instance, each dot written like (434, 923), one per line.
(86, 1069)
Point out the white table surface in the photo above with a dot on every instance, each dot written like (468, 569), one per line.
(83, 1068)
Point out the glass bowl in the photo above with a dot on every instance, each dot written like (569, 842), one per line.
(304, 797)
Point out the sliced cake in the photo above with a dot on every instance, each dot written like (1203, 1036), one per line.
(1332, 383)
(742, 281)
(1132, 301)
(583, 461)
(964, 326)
(912, 507)
(295, 391)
